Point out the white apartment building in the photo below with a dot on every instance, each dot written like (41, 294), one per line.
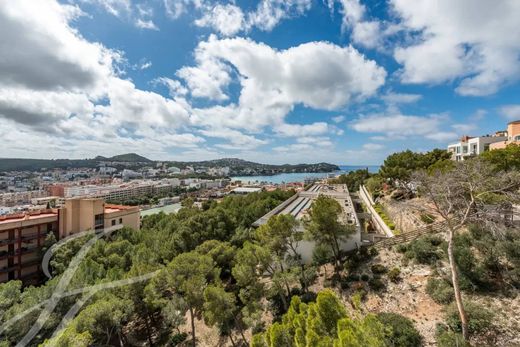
(122, 191)
(470, 146)
(18, 198)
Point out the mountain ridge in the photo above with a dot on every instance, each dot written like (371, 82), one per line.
(237, 165)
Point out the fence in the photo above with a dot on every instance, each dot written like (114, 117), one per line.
(410, 235)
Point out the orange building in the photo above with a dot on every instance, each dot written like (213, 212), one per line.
(22, 235)
(513, 136)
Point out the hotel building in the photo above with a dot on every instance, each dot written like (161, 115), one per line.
(22, 235)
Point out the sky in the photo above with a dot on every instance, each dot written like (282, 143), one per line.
(273, 81)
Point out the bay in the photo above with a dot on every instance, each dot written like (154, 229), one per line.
(301, 176)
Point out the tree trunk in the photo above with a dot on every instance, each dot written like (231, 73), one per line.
(284, 302)
(192, 327)
(285, 282)
(241, 329)
(231, 339)
(148, 330)
(456, 288)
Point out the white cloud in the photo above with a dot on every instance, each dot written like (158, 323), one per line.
(511, 112)
(316, 74)
(237, 140)
(372, 146)
(338, 119)
(464, 128)
(367, 33)
(398, 126)
(146, 24)
(228, 19)
(400, 98)
(145, 65)
(270, 12)
(176, 8)
(175, 87)
(472, 40)
(225, 19)
(297, 130)
(114, 7)
(65, 90)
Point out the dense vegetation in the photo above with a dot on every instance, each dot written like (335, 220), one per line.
(327, 322)
(163, 241)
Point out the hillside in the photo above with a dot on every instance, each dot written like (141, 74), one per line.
(237, 166)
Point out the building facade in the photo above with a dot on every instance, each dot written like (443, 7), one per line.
(472, 146)
(512, 136)
(22, 235)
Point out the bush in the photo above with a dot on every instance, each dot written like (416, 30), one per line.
(480, 319)
(358, 297)
(373, 252)
(376, 284)
(402, 332)
(178, 338)
(450, 339)
(424, 249)
(308, 297)
(394, 275)
(401, 248)
(321, 255)
(439, 290)
(365, 277)
(353, 277)
(378, 269)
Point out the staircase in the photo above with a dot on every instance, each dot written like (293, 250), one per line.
(410, 235)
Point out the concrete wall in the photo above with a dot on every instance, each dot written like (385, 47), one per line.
(376, 218)
(130, 218)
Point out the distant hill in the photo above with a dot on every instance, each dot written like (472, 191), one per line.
(238, 167)
(128, 158)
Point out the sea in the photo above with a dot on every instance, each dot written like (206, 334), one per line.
(300, 177)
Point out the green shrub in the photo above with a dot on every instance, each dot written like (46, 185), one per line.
(439, 290)
(358, 297)
(448, 338)
(401, 248)
(427, 218)
(376, 284)
(321, 255)
(178, 338)
(353, 277)
(373, 252)
(424, 249)
(402, 332)
(365, 277)
(394, 275)
(480, 319)
(378, 269)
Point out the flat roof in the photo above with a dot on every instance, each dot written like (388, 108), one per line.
(246, 189)
(28, 216)
(299, 204)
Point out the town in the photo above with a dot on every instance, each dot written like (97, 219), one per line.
(263, 173)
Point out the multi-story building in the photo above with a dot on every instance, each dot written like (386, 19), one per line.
(18, 198)
(123, 191)
(22, 235)
(512, 136)
(471, 146)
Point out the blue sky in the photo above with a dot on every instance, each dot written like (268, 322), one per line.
(342, 81)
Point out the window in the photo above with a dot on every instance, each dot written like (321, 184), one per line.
(113, 222)
(99, 221)
(517, 138)
(120, 220)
